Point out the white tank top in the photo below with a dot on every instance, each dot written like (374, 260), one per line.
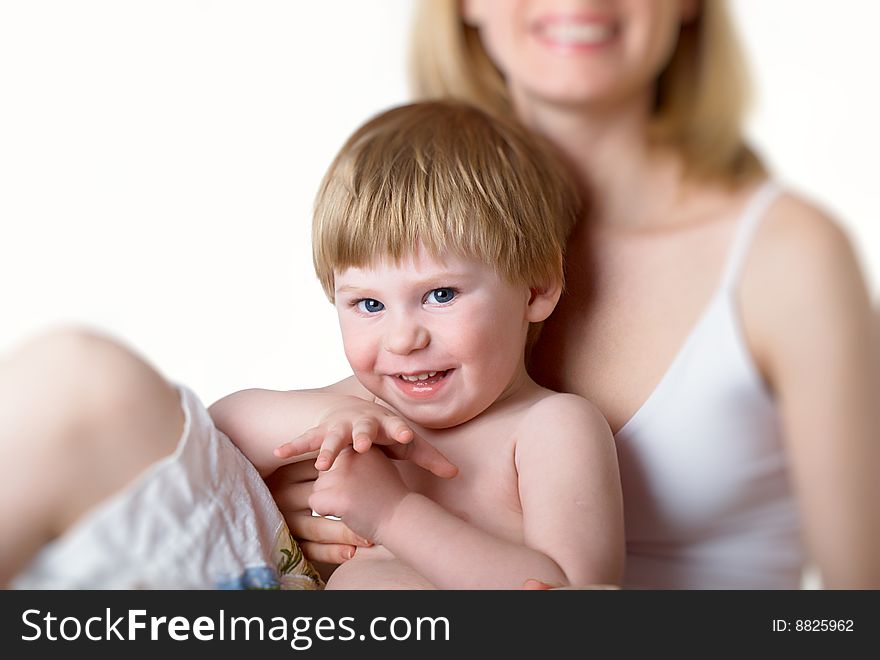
(707, 498)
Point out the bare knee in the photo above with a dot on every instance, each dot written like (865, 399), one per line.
(89, 412)
(71, 355)
(85, 378)
(65, 363)
(62, 340)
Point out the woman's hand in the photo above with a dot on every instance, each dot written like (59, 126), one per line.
(536, 585)
(321, 540)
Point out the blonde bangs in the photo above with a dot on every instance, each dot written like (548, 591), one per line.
(446, 177)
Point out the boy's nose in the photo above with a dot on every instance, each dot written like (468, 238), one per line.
(406, 335)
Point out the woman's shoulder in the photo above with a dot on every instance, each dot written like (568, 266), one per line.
(801, 229)
(798, 244)
(801, 272)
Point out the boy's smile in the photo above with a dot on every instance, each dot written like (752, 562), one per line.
(439, 341)
(422, 385)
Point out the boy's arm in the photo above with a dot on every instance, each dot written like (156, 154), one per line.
(572, 504)
(572, 512)
(330, 418)
(570, 491)
(258, 421)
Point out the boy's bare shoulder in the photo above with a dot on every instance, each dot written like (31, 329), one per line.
(562, 414)
(564, 430)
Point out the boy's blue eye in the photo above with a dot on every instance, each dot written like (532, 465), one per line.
(440, 296)
(370, 306)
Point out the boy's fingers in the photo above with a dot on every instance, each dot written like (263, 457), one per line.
(334, 442)
(326, 501)
(363, 433)
(308, 441)
(289, 450)
(424, 455)
(397, 429)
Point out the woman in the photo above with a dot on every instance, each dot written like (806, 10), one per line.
(720, 323)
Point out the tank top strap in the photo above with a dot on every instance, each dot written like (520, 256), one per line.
(755, 210)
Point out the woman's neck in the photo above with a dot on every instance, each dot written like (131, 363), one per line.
(614, 158)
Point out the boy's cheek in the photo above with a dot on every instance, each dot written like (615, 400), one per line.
(362, 362)
(358, 352)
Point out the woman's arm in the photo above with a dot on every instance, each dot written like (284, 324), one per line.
(323, 541)
(807, 316)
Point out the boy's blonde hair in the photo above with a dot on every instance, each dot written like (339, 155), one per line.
(446, 176)
(700, 96)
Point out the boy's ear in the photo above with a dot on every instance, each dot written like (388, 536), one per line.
(542, 301)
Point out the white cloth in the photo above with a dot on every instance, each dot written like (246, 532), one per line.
(707, 498)
(201, 518)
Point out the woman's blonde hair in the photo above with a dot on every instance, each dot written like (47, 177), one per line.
(446, 176)
(700, 96)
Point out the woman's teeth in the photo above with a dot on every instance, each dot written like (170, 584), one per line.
(578, 33)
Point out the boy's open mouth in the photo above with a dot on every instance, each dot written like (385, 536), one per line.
(426, 378)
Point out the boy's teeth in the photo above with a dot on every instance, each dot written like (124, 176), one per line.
(418, 377)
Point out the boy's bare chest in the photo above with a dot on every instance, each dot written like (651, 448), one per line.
(485, 491)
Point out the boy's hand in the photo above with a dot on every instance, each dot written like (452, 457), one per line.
(362, 424)
(362, 489)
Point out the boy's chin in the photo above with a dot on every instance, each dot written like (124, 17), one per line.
(424, 417)
(423, 413)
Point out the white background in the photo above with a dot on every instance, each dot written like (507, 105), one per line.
(158, 160)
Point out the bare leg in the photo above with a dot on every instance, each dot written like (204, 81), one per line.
(80, 417)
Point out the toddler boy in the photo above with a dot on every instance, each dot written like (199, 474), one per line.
(438, 235)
